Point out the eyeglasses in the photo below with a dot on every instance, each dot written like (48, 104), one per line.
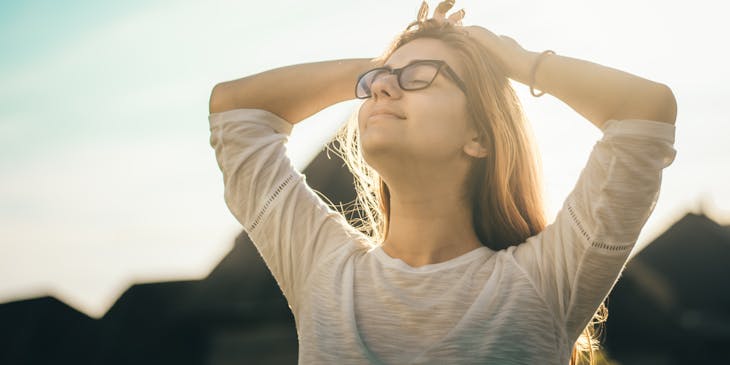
(416, 75)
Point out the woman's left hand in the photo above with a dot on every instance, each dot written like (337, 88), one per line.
(514, 60)
(511, 56)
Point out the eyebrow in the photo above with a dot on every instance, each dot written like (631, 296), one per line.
(409, 63)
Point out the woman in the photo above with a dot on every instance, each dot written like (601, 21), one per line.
(455, 263)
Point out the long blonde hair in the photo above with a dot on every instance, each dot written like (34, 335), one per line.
(505, 187)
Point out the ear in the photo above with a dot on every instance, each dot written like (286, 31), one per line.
(474, 147)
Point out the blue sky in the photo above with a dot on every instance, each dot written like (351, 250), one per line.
(106, 175)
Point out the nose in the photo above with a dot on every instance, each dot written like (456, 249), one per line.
(386, 86)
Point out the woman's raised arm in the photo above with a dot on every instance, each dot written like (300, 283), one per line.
(597, 92)
(292, 92)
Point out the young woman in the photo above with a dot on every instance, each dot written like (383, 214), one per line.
(455, 262)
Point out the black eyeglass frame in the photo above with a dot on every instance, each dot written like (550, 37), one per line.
(440, 64)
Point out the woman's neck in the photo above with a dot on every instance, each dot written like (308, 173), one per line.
(429, 230)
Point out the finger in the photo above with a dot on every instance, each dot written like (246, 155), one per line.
(455, 18)
(422, 12)
(439, 17)
(445, 6)
(440, 12)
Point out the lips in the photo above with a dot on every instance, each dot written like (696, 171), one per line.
(386, 112)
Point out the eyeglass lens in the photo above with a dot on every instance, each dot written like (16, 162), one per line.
(412, 77)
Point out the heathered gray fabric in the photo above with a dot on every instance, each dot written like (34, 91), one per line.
(353, 304)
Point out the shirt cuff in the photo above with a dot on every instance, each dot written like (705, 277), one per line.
(279, 124)
(640, 127)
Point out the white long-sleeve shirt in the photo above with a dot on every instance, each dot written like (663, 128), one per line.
(354, 304)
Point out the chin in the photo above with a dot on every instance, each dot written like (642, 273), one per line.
(375, 152)
(374, 137)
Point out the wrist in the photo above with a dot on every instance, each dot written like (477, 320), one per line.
(520, 70)
(533, 72)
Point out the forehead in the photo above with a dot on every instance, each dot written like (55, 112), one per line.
(424, 49)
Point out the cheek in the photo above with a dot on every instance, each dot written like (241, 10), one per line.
(441, 124)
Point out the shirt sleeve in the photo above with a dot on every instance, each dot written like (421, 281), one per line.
(577, 259)
(292, 228)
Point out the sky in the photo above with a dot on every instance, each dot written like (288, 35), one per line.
(107, 177)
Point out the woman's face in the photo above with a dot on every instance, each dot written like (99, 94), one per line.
(426, 127)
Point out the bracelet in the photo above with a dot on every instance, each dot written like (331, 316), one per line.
(534, 71)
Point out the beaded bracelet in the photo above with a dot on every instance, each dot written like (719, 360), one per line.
(534, 71)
